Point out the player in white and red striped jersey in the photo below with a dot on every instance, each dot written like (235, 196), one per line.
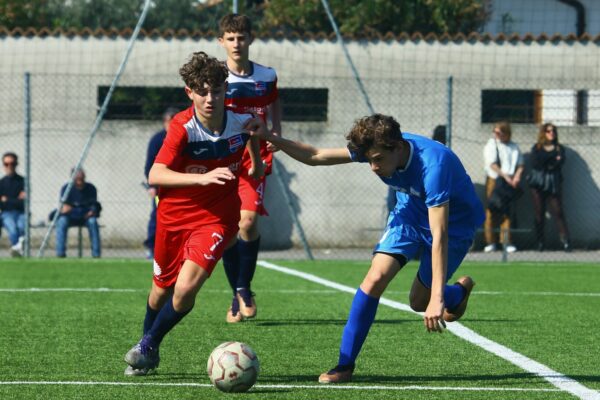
(197, 171)
(251, 88)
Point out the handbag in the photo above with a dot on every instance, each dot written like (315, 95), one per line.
(545, 181)
(502, 197)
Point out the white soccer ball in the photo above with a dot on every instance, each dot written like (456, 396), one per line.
(233, 367)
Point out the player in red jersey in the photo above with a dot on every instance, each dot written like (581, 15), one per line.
(251, 88)
(197, 171)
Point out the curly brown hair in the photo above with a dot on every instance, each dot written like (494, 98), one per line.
(203, 69)
(237, 23)
(375, 130)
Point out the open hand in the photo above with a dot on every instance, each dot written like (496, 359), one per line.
(219, 176)
(433, 318)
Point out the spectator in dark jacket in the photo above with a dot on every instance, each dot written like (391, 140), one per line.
(545, 181)
(12, 203)
(153, 147)
(80, 209)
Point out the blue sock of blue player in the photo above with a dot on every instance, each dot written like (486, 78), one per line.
(248, 253)
(231, 263)
(453, 295)
(362, 314)
(149, 318)
(166, 319)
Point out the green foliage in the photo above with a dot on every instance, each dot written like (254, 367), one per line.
(354, 17)
(357, 17)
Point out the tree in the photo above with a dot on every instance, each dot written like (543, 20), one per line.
(358, 17)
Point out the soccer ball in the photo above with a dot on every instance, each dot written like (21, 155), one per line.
(233, 367)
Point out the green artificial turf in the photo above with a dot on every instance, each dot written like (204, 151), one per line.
(545, 312)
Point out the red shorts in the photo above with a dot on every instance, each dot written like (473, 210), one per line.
(204, 246)
(252, 194)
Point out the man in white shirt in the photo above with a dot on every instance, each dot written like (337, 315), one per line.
(502, 158)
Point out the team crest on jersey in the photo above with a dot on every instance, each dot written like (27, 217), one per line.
(235, 143)
(260, 88)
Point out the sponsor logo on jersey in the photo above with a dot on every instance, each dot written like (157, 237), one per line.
(196, 169)
(260, 88)
(235, 143)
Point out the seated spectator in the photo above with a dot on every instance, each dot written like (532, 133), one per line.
(80, 209)
(12, 204)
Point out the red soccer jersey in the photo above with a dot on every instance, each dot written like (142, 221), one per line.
(191, 148)
(252, 93)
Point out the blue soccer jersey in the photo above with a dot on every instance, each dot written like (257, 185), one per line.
(434, 176)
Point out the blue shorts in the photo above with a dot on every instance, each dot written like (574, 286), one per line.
(408, 240)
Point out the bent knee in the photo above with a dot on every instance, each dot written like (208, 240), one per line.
(418, 303)
(374, 284)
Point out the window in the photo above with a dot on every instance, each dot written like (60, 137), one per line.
(142, 103)
(304, 104)
(517, 106)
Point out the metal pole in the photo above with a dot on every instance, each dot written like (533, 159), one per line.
(235, 7)
(27, 104)
(449, 116)
(347, 55)
(97, 123)
(292, 210)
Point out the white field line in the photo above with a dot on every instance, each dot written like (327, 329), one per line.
(289, 291)
(555, 378)
(317, 387)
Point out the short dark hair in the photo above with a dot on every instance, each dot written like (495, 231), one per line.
(439, 134)
(235, 23)
(203, 69)
(375, 130)
(170, 112)
(11, 154)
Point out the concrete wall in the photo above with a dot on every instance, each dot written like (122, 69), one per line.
(338, 206)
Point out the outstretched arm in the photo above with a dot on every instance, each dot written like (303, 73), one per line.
(438, 222)
(303, 152)
(161, 175)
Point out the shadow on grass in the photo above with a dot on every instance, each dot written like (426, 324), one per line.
(508, 379)
(288, 322)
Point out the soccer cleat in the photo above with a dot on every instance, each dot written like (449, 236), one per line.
(246, 303)
(143, 356)
(339, 374)
(510, 248)
(452, 315)
(130, 371)
(233, 314)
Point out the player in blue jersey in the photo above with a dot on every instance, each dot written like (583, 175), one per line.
(437, 211)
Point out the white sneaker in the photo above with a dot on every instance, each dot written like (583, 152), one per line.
(489, 248)
(510, 248)
(16, 250)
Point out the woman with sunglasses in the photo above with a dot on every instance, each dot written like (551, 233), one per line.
(545, 182)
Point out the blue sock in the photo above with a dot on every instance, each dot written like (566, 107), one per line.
(231, 264)
(362, 314)
(453, 295)
(248, 252)
(149, 318)
(166, 319)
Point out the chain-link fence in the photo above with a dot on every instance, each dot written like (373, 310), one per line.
(340, 208)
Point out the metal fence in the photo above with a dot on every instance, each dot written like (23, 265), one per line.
(342, 209)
